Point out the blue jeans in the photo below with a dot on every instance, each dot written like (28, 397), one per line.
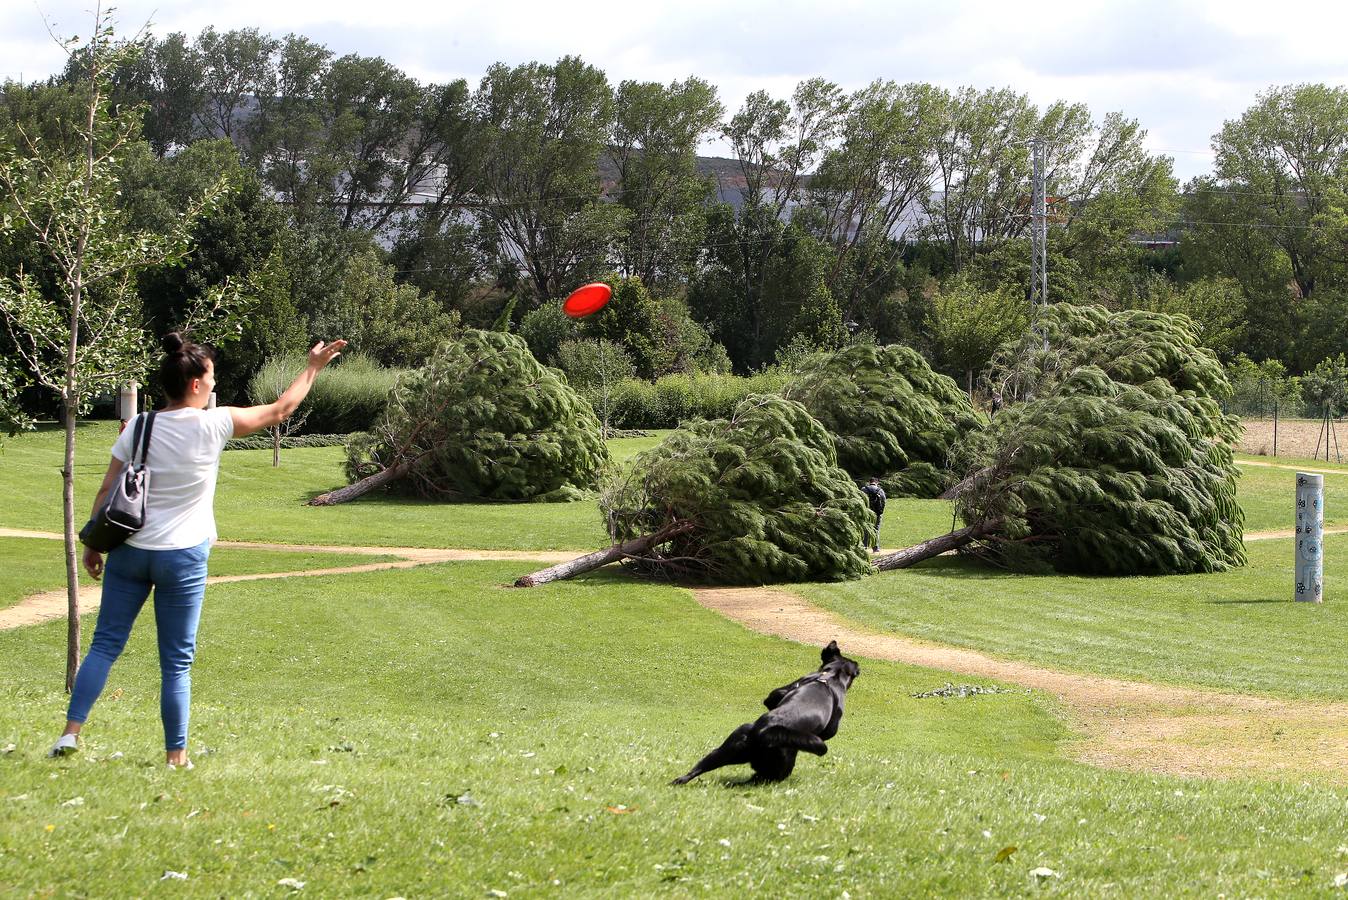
(179, 581)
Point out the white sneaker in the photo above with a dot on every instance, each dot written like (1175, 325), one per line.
(64, 746)
(186, 765)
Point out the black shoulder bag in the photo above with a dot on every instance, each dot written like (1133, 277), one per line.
(123, 511)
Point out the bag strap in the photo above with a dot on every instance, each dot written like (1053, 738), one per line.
(148, 420)
(135, 438)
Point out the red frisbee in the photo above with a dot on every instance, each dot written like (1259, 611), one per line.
(587, 300)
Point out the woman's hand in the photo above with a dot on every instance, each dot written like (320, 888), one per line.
(93, 563)
(321, 354)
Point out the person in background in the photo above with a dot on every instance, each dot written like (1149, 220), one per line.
(169, 553)
(875, 496)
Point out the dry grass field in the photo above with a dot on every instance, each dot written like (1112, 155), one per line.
(1296, 438)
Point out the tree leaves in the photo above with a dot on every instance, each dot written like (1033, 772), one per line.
(889, 414)
(484, 419)
(1120, 462)
(763, 490)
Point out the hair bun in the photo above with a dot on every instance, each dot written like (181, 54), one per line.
(173, 342)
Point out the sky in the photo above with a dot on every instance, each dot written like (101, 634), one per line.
(1180, 67)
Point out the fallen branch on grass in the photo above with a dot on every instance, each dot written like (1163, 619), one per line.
(589, 562)
(902, 559)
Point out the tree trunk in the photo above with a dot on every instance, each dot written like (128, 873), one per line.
(362, 487)
(953, 492)
(71, 547)
(604, 557)
(70, 406)
(275, 446)
(935, 547)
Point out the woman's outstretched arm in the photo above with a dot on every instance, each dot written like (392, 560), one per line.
(250, 419)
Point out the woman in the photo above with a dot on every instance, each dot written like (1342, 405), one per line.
(169, 553)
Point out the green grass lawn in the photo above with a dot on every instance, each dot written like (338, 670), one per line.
(1268, 496)
(256, 502)
(1295, 461)
(28, 565)
(1237, 630)
(430, 733)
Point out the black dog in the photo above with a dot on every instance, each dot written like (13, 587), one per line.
(801, 716)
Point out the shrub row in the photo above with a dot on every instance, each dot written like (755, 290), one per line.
(677, 398)
(262, 441)
(347, 396)
(350, 396)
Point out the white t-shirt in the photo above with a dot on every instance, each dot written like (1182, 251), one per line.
(185, 449)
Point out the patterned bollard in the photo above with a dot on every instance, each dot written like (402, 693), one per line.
(128, 400)
(1310, 537)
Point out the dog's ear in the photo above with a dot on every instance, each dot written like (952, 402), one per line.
(830, 652)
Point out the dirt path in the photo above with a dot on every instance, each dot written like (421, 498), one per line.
(1269, 465)
(1288, 532)
(48, 605)
(1122, 724)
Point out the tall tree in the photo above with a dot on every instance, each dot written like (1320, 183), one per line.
(232, 246)
(438, 246)
(868, 186)
(756, 277)
(288, 125)
(656, 131)
(1281, 161)
(371, 110)
(777, 142)
(237, 67)
(177, 92)
(544, 127)
(740, 291)
(982, 170)
(78, 331)
(1109, 192)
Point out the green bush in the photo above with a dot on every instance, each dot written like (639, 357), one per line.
(634, 404)
(545, 329)
(675, 399)
(484, 419)
(348, 396)
(262, 441)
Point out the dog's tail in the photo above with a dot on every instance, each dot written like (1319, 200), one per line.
(781, 736)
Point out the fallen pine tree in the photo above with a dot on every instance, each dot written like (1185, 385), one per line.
(1119, 463)
(482, 419)
(890, 415)
(957, 539)
(754, 498)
